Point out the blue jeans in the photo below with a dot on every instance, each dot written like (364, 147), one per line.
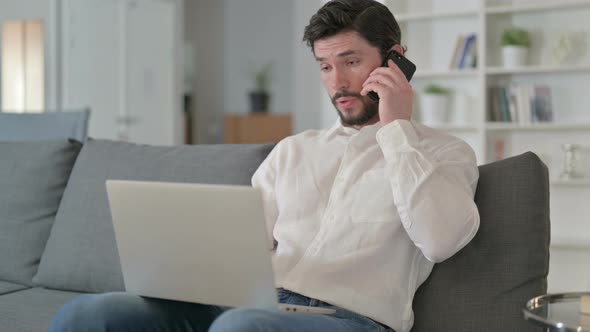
(126, 312)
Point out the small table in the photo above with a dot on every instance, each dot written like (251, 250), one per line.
(558, 312)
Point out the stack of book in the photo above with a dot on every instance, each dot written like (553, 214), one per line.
(465, 54)
(522, 104)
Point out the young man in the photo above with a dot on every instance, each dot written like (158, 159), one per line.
(359, 212)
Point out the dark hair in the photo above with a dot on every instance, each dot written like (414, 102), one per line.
(371, 19)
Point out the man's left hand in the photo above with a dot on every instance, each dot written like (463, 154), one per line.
(394, 90)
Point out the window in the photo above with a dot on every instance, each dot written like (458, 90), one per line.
(23, 67)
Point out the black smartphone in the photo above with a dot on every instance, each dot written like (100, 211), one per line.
(406, 66)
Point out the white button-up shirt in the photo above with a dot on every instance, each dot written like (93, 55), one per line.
(359, 217)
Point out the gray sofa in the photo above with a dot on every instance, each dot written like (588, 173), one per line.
(43, 126)
(56, 237)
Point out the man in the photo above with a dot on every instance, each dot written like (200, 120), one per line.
(359, 213)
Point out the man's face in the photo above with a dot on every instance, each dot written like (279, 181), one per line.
(346, 60)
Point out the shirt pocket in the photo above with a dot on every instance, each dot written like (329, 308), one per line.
(299, 196)
(373, 199)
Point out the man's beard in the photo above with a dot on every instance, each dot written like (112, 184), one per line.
(370, 109)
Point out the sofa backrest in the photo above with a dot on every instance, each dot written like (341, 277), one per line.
(81, 253)
(44, 126)
(485, 286)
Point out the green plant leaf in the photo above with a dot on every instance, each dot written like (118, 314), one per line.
(262, 78)
(436, 89)
(515, 37)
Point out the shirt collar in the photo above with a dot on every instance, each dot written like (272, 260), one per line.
(338, 129)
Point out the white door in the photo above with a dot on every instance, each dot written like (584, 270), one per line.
(151, 68)
(120, 59)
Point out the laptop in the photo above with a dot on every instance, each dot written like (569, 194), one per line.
(196, 243)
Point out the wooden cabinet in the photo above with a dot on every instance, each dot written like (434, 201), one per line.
(256, 128)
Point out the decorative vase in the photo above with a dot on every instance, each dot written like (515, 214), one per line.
(514, 56)
(434, 109)
(569, 162)
(259, 102)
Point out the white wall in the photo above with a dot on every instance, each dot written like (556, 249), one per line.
(308, 91)
(231, 38)
(228, 36)
(257, 32)
(205, 29)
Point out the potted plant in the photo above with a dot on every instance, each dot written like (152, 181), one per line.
(515, 43)
(434, 104)
(260, 96)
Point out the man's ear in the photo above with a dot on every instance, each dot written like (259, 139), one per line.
(398, 48)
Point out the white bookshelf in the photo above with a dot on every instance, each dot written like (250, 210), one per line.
(435, 15)
(545, 127)
(576, 183)
(457, 128)
(445, 73)
(549, 69)
(558, 242)
(430, 30)
(536, 6)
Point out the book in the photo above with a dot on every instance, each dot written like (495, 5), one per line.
(494, 105)
(542, 105)
(473, 54)
(524, 115)
(458, 47)
(520, 103)
(512, 105)
(468, 53)
(504, 111)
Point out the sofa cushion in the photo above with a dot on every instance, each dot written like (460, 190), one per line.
(485, 286)
(31, 310)
(33, 176)
(8, 287)
(81, 253)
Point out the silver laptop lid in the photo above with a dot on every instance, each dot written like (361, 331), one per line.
(192, 242)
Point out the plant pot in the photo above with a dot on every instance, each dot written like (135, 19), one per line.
(259, 102)
(434, 109)
(514, 56)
